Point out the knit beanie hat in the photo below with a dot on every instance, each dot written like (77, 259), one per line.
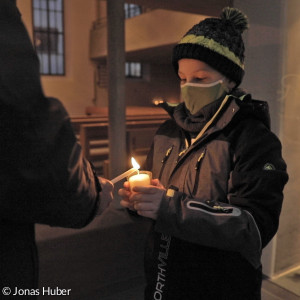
(217, 42)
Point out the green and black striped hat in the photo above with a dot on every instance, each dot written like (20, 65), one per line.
(217, 42)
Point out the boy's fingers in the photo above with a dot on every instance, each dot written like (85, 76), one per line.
(124, 193)
(145, 189)
(126, 204)
(144, 206)
(147, 214)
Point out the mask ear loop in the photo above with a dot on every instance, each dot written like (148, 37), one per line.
(226, 88)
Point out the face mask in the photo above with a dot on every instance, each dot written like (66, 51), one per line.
(197, 95)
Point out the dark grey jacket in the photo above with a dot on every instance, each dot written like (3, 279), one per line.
(222, 205)
(43, 176)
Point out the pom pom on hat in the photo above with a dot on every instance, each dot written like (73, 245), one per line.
(236, 17)
(217, 42)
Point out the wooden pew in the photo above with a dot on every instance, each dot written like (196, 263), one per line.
(93, 139)
(133, 113)
(139, 134)
(79, 120)
(130, 111)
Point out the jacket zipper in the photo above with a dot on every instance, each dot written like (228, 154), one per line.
(197, 168)
(180, 154)
(164, 160)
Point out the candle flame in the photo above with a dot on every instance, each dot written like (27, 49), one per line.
(134, 163)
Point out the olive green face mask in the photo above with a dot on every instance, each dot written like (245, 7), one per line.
(197, 95)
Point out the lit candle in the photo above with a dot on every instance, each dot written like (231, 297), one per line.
(139, 180)
(135, 168)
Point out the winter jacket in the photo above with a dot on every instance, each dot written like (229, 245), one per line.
(44, 177)
(222, 205)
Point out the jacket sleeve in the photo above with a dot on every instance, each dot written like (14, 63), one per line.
(249, 219)
(258, 178)
(44, 177)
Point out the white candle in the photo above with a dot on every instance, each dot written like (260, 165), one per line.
(135, 168)
(139, 180)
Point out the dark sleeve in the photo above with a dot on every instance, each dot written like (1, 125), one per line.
(259, 177)
(44, 176)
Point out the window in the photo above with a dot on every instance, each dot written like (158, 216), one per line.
(48, 26)
(132, 10)
(133, 70)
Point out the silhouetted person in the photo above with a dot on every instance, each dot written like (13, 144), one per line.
(43, 176)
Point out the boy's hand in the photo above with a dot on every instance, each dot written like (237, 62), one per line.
(145, 200)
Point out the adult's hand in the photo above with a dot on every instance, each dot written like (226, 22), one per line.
(106, 195)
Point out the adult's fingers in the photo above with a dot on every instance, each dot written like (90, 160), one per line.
(105, 183)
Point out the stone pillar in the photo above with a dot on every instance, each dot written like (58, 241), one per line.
(116, 87)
